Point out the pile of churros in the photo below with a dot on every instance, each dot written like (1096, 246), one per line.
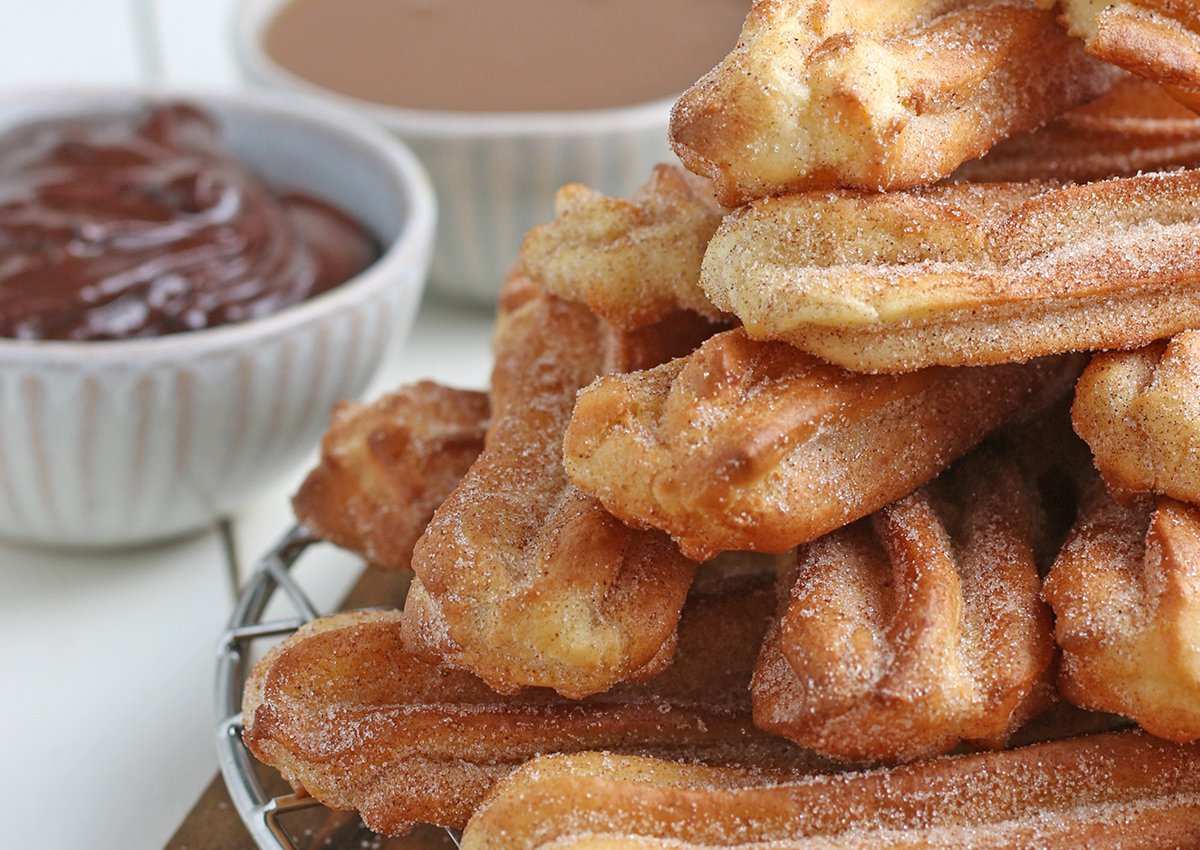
(842, 490)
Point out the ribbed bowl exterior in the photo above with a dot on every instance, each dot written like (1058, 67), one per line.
(492, 190)
(127, 451)
(121, 443)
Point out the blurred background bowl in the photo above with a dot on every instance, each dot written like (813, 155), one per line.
(124, 442)
(495, 172)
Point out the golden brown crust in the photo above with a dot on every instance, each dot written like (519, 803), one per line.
(1156, 39)
(1116, 790)
(1136, 127)
(1126, 594)
(963, 273)
(347, 710)
(875, 95)
(918, 627)
(538, 621)
(633, 262)
(757, 446)
(1140, 413)
(524, 579)
(386, 466)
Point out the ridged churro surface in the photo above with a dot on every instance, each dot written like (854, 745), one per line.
(633, 261)
(875, 95)
(347, 710)
(1140, 413)
(386, 466)
(1115, 790)
(522, 578)
(1156, 39)
(1126, 596)
(918, 627)
(1133, 128)
(758, 446)
(964, 273)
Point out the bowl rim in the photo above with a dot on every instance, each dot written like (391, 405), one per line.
(411, 246)
(250, 22)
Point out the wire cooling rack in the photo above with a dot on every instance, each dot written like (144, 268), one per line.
(261, 812)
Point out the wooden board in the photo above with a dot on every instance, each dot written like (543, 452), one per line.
(214, 824)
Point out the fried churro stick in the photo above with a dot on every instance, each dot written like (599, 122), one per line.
(758, 446)
(633, 262)
(386, 466)
(1135, 127)
(875, 95)
(1140, 413)
(1156, 39)
(524, 579)
(1116, 790)
(1126, 594)
(963, 273)
(346, 710)
(918, 627)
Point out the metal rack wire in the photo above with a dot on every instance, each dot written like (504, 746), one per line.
(260, 812)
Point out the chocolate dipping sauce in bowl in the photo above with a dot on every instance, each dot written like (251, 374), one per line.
(502, 101)
(188, 283)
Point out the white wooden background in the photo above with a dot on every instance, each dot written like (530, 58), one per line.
(116, 41)
(107, 659)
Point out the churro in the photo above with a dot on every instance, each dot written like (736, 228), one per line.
(522, 578)
(386, 466)
(918, 627)
(346, 710)
(877, 95)
(1156, 39)
(1133, 128)
(963, 273)
(899, 305)
(1126, 596)
(1140, 413)
(747, 445)
(1115, 790)
(633, 262)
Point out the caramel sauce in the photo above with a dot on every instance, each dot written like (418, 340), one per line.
(504, 55)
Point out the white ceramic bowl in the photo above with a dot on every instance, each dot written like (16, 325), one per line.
(495, 172)
(115, 443)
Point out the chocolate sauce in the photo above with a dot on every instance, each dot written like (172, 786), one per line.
(138, 225)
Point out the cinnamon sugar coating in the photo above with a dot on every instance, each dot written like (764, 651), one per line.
(1140, 413)
(348, 711)
(918, 627)
(636, 261)
(747, 445)
(899, 305)
(386, 466)
(522, 578)
(875, 95)
(1133, 128)
(1115, 790)
(1156, 39)
(1126, 596)
(964, 273)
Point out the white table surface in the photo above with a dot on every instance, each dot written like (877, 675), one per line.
(107, 659)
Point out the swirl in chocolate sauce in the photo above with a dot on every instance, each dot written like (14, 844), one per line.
(137, 225)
